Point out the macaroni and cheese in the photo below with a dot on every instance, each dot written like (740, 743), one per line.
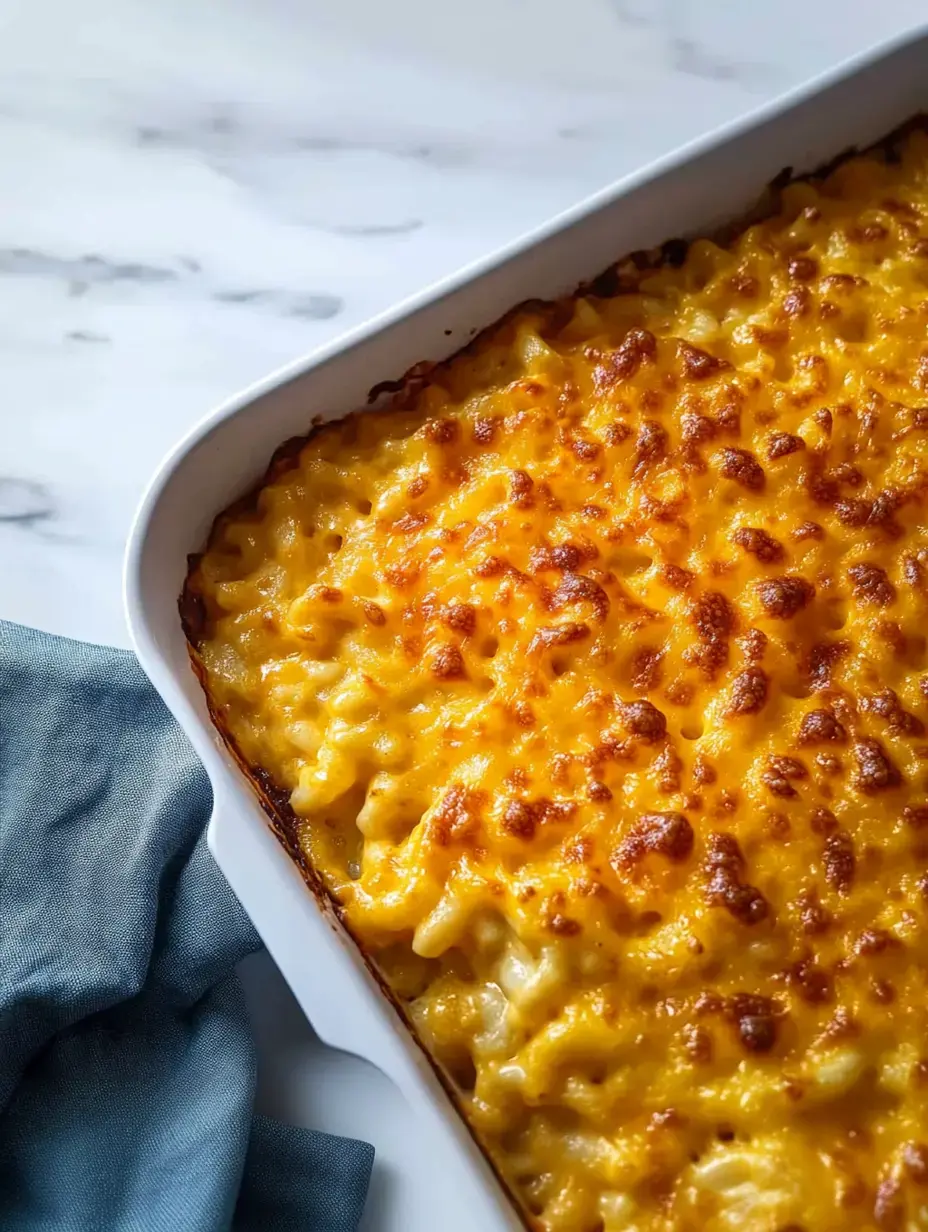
(594, 669)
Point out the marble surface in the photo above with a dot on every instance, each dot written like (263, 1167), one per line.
(195, 191)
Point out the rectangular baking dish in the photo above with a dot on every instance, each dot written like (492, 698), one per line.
(694, 191)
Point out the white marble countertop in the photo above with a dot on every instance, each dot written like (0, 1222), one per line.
(195, 191)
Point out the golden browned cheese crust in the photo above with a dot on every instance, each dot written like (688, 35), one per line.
(596, 674)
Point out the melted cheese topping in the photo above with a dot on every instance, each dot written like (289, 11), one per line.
(594, 670)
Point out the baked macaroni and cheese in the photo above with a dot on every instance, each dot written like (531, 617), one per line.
(594, 671)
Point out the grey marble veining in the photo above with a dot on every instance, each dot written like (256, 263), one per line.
(25, 503)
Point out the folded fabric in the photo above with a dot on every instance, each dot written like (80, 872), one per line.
(127, 1069)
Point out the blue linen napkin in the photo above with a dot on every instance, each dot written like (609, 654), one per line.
(127, 1069)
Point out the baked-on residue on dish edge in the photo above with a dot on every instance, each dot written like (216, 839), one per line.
(595, 668)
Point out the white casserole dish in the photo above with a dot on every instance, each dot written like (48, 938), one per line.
(693, 191)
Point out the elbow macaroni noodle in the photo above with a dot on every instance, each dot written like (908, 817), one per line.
(594, 668)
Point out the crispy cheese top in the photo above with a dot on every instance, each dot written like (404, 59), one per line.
(595, 669)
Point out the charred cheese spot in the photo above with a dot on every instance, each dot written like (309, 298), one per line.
(871, 585)
(724, 867)
(669, 834)
(591, 677)
(875, 769)
(448, 664)
(741, 466)
(781, 444)
(643, 719)
(820, 727)
(461, 617)
(783, 597)
(840, 860)
(749, 691)
(760, 544)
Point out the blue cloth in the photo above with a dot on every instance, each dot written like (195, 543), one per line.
(127, 1070)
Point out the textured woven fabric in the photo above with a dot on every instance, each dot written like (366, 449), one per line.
(127, 1068)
